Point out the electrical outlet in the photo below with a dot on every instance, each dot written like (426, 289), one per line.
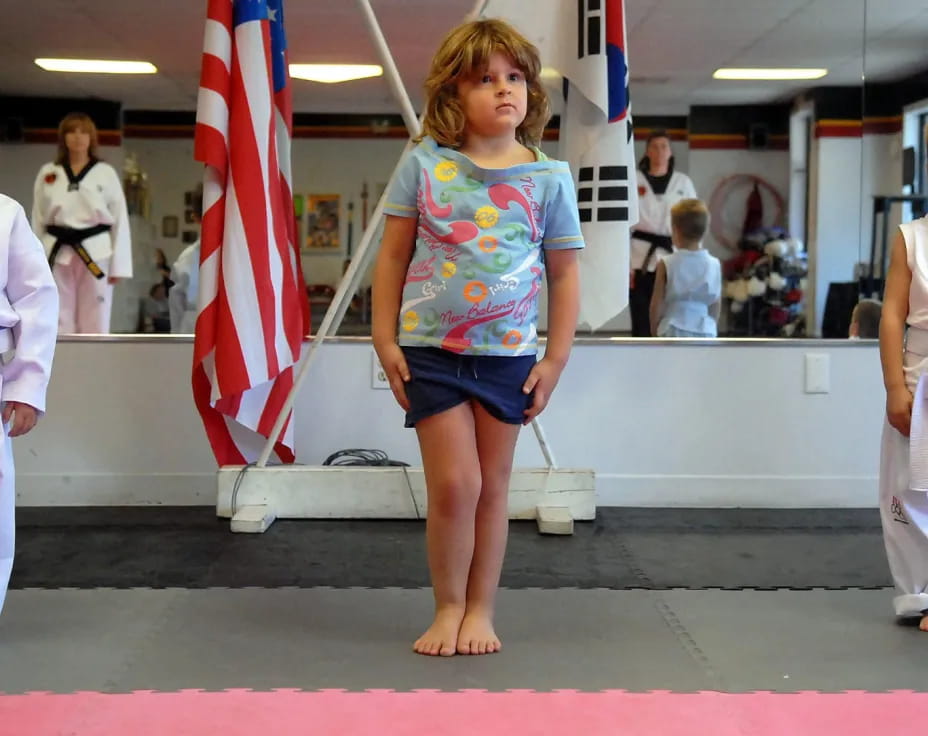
(378, 375)
(818, 370)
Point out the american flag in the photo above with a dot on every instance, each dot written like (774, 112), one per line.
(586, 42)
(253, 308)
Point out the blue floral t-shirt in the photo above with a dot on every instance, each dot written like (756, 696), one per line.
(473, 282)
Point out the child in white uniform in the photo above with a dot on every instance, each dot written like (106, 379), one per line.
(904, 354)
(28, 322)
(688, 285)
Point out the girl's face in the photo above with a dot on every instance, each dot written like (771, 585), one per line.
(495, 99)
(659, 152)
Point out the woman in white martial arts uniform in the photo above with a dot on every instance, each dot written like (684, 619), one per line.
(659, 189)
(79, 212)
(903, 486)
(28, 321)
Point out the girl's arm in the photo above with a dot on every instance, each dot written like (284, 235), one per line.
(396, 249)
(892, 329)
(563, 303)
(563, 271)
(657, 297)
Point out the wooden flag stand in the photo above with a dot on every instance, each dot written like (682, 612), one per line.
(253, 497)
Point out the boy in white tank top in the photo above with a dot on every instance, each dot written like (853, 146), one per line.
(688, 286)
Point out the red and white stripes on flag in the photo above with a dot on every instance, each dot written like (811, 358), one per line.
(585, 41)
(253, 308)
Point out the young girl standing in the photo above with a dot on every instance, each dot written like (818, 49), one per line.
(904, 354)
(476, 217)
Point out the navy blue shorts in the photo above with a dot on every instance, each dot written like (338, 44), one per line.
(440, 379)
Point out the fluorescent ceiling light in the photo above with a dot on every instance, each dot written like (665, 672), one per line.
(769, 74)
(332, 73)
(96, 66)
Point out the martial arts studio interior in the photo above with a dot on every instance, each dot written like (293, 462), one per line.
(695, 539)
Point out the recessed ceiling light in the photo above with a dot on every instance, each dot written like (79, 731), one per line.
(332, 73)
(769, 74)
(96, 66)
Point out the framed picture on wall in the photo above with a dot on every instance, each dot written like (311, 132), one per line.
(190, 236)
(322, 221)
(169, 226)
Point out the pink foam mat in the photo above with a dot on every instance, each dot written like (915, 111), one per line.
(385, 712)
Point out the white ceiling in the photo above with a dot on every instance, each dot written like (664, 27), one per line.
(674, 45)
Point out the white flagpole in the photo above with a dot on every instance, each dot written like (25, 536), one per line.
(349, 282)
(393, 74)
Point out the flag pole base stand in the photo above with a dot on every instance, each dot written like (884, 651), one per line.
(554, 520)
(252, 519)
(554, 498)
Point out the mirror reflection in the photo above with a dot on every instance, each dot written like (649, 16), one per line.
(894, 182)
(787, 169)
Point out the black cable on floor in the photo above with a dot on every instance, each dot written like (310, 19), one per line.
(374, 458)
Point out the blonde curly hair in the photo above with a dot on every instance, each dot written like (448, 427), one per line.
(466, 51)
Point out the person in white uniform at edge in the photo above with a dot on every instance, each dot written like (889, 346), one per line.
(79, 211)
(660, 187)
(28, 322)
(904, 354)
(185, 273)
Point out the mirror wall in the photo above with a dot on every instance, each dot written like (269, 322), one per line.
(894, 183)
(778, 162)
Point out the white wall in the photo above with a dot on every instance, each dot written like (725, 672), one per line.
(708, 169)
(662, 425)
(881, 174)
(835, 237)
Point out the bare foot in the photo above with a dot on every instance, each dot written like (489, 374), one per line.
(924, 623)
(442, 635)
(477, 635)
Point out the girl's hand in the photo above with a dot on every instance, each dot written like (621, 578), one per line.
(542, 380)
(899, 409)
(394, 365)
(24, 417)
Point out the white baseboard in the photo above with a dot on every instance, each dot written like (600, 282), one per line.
(612, 489)
(116, 489)
(736, 491)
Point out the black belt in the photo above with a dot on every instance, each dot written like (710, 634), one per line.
(664, 242)
(75, 237)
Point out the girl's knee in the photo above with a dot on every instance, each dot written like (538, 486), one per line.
(454, 495)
